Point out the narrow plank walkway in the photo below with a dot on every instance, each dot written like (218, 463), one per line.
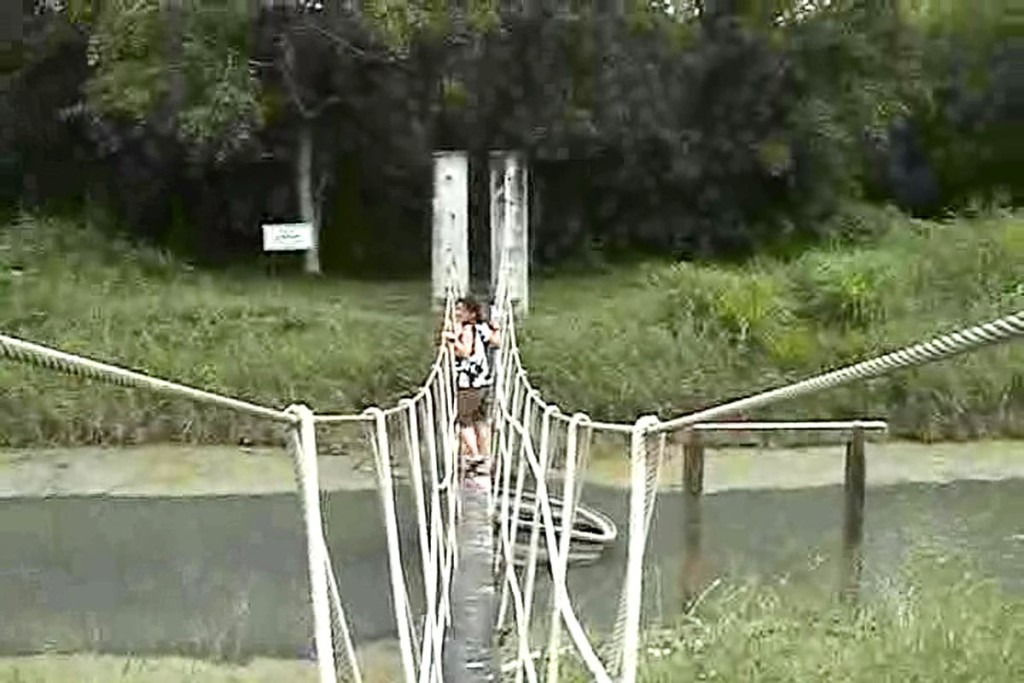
(469, 652)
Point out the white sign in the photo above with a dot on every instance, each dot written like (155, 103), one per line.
(287, 237)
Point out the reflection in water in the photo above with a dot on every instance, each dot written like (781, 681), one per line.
(226, 576)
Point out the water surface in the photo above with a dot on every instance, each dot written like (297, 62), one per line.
(227, 576)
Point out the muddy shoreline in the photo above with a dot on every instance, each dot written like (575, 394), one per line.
(175, 470)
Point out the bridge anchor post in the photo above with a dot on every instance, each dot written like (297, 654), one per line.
(853, 516)
(693, 491)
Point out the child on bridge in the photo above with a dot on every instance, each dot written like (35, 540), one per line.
(470, 339)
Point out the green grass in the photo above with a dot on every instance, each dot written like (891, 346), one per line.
(379, 663)
(337, 345)
(936, 622)
(112, 669)
(671, 338)
(654, 338)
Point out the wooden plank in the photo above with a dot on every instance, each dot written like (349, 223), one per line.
(470, 652)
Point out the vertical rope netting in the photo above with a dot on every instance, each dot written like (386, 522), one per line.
(517, 461)
(570, 490)
(510, 531)
(412, 441)
(540, 474)
(529, 459)
(399, 596)
(524, 661)
(558, 570)
(507, 444)
(503, 380)
(303, 442)
(396, 443)
(511, 502)
(451, 454)
(437, 538)
(350, 668)
(644, 470)
(510, 587)
(446, 518)
(347, 668)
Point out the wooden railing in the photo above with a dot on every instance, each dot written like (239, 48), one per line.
(696, 440)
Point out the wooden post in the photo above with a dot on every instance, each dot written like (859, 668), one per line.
(470, 655)
(693, 489)
(510, 223)
(450, 253)
(853, 516)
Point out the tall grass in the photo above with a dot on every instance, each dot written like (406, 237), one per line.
(656, 338)
(333, 344)
(666, 339)
(937, 621)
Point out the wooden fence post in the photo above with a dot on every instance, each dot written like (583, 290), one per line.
(853, 516)
(693, 489)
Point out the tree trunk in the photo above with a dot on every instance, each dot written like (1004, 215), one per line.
(304, 187)
(174, 47)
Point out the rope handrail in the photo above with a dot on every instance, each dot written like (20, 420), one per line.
(939, 348)
(68, 363)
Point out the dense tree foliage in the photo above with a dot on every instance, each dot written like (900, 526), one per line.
(676, 126)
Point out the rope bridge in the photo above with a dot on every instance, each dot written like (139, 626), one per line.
(532, 441)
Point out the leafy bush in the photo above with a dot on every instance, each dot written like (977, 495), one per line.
(855, 289)
(745, 307)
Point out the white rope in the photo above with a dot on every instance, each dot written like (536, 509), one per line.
(399, 597)
(940, 348)
(425, 543)
(540, 474)
(41, 356)
(437, 534)
(509, 522)
(304, 452)
(946, 346)
(640, 510)
(340, 620)
(558, 570)
(569, 493)
(433, 576)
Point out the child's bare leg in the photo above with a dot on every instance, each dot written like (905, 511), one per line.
(470, 441)
(484, 437)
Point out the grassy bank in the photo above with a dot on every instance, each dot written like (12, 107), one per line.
(111, 669)
(938, 622)
(668, 339)
(275, 341)
(655, 338)
(379, 663)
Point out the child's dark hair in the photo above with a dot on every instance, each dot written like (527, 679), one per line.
(471, 304)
